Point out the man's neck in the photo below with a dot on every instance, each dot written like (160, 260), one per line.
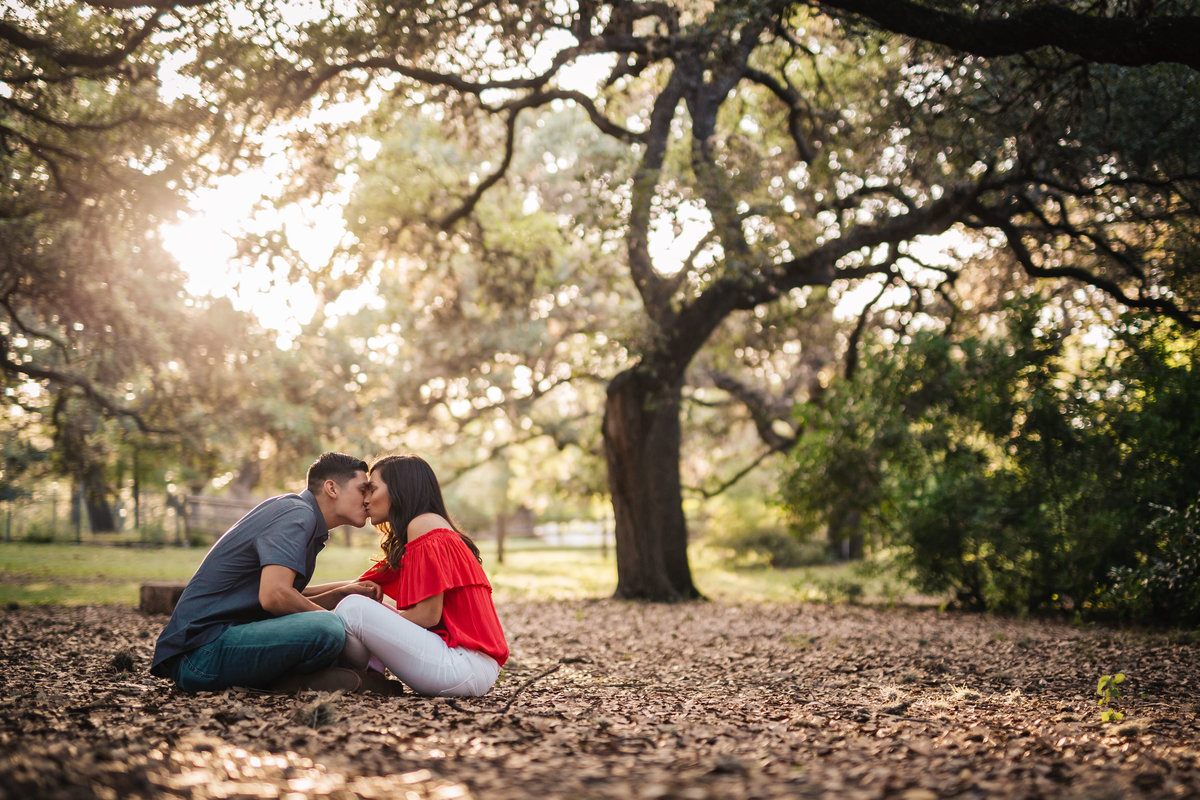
(327, 512)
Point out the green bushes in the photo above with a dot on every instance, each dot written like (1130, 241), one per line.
(1016, 471)
(1164, 585)
(775, 547)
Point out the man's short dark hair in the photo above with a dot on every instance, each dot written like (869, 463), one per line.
(337, 467)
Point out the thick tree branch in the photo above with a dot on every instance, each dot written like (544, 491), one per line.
(1124, 40)
(19, 324)
(63, 125)
(651, 47)
(126, 5)
(94, 395)
(818, 267)
(75, 58)
(649, 284)
(1016, 244)
(705, 97)
(450, 220)
(764, 409)
(860, 326)
(798, 110)
(602, 123)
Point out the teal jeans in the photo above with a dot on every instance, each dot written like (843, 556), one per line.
(257, 654)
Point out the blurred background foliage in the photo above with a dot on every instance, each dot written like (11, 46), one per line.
(907, 304)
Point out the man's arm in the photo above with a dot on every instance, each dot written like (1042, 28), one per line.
(277, 592)
(323, 588)
(328, 595)
(369, 588)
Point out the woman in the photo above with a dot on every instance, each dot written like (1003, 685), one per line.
(445, 638)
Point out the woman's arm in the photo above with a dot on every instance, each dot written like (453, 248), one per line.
(426, 613)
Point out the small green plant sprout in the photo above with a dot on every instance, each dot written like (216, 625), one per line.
(1108, 690)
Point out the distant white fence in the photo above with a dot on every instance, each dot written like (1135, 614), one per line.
(212, 516)
(575, 533)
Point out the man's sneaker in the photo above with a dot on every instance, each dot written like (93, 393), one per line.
(376, 683)
(330, 679)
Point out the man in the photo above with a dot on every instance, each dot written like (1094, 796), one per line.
(248, 617)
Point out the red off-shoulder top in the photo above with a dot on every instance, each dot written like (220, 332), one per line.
(440, 562)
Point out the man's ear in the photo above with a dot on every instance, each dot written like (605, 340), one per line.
(331, 488)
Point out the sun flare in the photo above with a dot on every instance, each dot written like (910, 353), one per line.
(205, 244)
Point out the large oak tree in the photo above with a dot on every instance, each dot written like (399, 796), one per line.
(820, 149)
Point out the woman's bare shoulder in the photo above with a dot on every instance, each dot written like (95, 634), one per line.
(425, 523)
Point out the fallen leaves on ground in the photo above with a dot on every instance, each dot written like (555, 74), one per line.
(604, 699)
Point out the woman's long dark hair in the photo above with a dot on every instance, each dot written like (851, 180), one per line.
(413, 490)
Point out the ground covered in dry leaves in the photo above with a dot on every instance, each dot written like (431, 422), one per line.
(705, 700)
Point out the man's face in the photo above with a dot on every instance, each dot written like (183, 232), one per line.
(348, 505)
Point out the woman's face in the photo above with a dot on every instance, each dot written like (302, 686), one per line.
(377, 501)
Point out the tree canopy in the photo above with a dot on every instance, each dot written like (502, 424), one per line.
(614, 222)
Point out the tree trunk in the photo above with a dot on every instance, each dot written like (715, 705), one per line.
(501, 533)
(244, 482)
(641, 448)
(95, 499)
(846, 537)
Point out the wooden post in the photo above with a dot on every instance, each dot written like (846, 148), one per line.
(77, 510)
(160, 597)
(137, 492)
(501, 533)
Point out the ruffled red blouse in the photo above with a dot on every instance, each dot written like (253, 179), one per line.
(440, 562)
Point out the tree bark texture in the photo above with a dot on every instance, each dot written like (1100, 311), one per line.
(95, 498)
(642, 449)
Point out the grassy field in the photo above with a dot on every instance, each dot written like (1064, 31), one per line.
(70, 574)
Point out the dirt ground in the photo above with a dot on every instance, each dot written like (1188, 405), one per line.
(705, 700)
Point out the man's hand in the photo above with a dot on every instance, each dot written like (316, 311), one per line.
(370, 589)
(328, 595)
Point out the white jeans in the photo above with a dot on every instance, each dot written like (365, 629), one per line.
(418, 657)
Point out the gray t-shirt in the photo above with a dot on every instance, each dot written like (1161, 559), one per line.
(288, 530)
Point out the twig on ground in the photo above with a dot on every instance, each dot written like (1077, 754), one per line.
(453, 704)
(525, 686)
